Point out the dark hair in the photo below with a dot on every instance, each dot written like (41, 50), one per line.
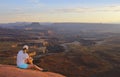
(24, 48)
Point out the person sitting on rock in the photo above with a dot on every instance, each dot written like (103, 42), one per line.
(24, 61)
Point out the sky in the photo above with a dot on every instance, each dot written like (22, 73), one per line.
(87, 11)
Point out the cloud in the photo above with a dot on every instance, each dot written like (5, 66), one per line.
(71, 10)
(36, 3)
(88, 9)
(111, 8)
(29, 10)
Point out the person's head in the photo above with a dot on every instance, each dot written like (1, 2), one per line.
(25, 47)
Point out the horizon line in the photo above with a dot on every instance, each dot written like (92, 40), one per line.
(62, 22)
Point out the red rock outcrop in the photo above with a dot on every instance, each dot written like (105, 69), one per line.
(12, 71)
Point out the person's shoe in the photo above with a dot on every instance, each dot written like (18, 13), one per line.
(44, 70)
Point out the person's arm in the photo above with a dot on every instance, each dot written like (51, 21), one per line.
(29, 60)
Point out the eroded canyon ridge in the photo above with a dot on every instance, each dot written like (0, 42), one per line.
(71, 49)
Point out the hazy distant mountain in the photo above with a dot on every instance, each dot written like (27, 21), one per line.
(14, 25)
(89, 27)
(32, 26)
(23, 25)
(73, 27)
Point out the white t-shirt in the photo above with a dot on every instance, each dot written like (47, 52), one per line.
(21, 57)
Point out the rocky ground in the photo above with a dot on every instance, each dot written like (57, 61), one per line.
(12, 71)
